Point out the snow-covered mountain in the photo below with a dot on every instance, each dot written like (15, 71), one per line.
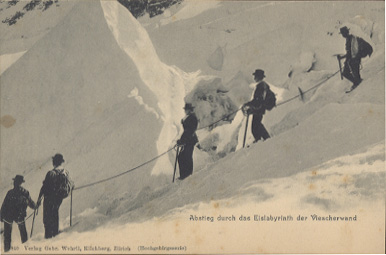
(87, 79)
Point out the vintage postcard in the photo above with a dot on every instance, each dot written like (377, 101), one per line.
(192, 127)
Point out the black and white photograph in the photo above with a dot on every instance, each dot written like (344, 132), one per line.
(192, 127)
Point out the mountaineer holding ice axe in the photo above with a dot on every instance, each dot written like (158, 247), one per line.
(263, 99)
(356, 49)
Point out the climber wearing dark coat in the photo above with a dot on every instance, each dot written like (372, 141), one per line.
(256, 107)
(14, 209)
(353, 59)
(52, 201)
(187, 141)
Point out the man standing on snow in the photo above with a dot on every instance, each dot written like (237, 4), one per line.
(256, 106)
(187, 141)
(52, 197)
(353, 58)
(14, 209)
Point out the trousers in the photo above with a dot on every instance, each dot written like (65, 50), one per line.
(258, 129)
(51, 216)
(185, 161)
(8, 234)
(351, 70)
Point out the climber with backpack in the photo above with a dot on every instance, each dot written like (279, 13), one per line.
(263, 99)
(56, 186)
(356, 49)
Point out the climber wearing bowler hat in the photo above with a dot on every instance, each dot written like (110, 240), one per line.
(14, 209)
(53, 198)
(187, 141)
(356, 48)
(256, 106)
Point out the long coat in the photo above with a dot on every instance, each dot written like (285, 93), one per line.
(188, 140)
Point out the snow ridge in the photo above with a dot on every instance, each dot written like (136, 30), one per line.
(167, 82)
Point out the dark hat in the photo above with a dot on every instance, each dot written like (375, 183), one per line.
(344, 30)
(19, 179)
(188, 106)
(259, 73)
(58, 158)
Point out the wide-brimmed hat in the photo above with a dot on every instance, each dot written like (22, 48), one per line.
(19, 179)
(188, 106)
(259, 73)
(58, 158)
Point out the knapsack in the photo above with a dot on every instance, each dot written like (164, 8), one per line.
(270, 100)
(364, 48)
(63, 183)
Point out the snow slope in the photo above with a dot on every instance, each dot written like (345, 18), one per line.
(31, 26)
(77, 106)
(108, 93)
(346, 186)
(7, 60)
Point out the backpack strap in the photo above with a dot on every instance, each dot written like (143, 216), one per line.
(59, 171)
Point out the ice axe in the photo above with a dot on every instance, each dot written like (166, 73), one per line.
(72, 188)
(36, 211)
(33, 221)
(245, 132)
(175, 163)
(340, 65)
(301, 94)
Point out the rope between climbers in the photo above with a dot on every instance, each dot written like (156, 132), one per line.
(128, 171)
(281, 103)
(308, 90)
(223, 118)
(160, 155)
(29, 216)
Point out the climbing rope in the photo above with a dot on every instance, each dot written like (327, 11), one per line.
(223, 118)
(128, 171)
(281, 103)
(173, 148)
(21, 222)
(211, 125)
(308, 90)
